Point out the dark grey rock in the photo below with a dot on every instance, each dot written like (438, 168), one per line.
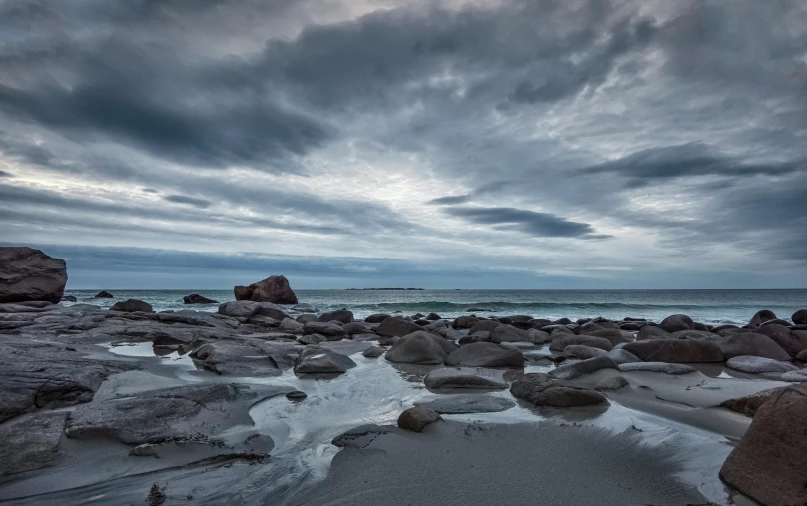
(399, 327)
(420, 348)
(373, 352)
(31, 442)
(482, 354)
(342, 315)
(465, 377)
(331, 331)
(417, 418)
(274, 289)
(573, 370)
(543, 390)
(753, 344)
(758, 365)
(583, 352)
(473, 403)
(662, 367)
(319, 360)
(560, 342)
(612, 383)
(103, 294)
(357, 434)
(132, 305)
(297, 395)
(677, 322)
(377, 318)
(675, 350)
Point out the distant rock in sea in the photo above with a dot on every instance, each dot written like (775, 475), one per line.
(195, 298)
(274, 289)
(103, 294)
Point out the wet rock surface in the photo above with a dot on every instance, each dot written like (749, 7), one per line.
(543, 390)
(28, 274)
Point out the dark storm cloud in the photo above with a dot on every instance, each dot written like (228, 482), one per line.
(529, 222)
(693, 159)
(486, 189)
(191, 201)
(5, 174)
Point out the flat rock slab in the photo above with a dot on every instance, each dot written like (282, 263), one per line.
(459, 404)
(758, 365)
(662, 367)
(465, 377)
(193, 412)
(31, 442)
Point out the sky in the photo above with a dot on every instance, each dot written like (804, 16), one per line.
(431, 143)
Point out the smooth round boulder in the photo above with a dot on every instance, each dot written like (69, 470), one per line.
(417, 418)
(621, 356)
(800, 317)
(510, 334)
(306, 318)
(583, 352)
(753, 344)
(373, 352)
(563, 340)
(483, 326)
(465, 377)
(573, 370)
(761, 317)
(420, 348)
(675, 350)
(342, 315)
(484, 354)
(296, 395)
(677, 322)
(793, 342)
(464, 322)
(795, 376)
(612, 383)
(317, 360)
(543, 390)
(132, 305)
(396, 327)
(758, 365)
(274, 289)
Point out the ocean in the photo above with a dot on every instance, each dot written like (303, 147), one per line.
(707, 306)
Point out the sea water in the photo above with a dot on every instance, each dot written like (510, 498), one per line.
(708, 306)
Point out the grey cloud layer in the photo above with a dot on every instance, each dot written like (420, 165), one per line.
(681, 123)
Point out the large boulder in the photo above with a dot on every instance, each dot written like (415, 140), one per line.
(510, 334)
(759, 365)
(563, 340)
(248, 309)
(675, 350)
(274, 289)
(482, 354)
(131, 306)
(769, 462)
(31, 442)
(332, 331)
(793, 342)
(464, 322)
(753, 344)
(415, 419)
(377, 318)
(195, 298)
(575, 370)
(614, 336)
(677, 322)
(465, 377)
(342, 315)
(467, 403)
(761, 317)
(652, 332)
(392, 327)
(800, 317)
(543, 390)
(317, 360)
(420, 347)
(28, 274)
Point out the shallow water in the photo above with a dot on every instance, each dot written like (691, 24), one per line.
(708, 306)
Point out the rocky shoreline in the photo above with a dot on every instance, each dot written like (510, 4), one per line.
(250, 404)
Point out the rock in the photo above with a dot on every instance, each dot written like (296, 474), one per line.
(290, 325)
(69, 298)
(583, 352)
(461, 403)
(377, 318)
(675, 350)
(483, 354)
(614, 336)
(420, 348)
(758, 365)
(573, 370)
(315, 360)
(464, 322)
(510, 334)
(769, 461)
(802, 356)
(103, 294)
(795, 376)
(311, 339)
(306, 318)
(433, 316)
(244, 357)
(195, 298)
(652, 332)
(342, 315)
(191, 412)
(800, 317)
(331, 331)
(364, 337)
(677, 322)
(697, 335)
(296, 395)
(752, 343)
(350, 436)
(28, 274)
(248, 309)
(563, 340)
(396, 327)
(483, 326)
(131, 306)
(749, 404)
(612, 383)
(621, 356)
(274, 289)
(31, 442)
(721, 328)
(543, 390)
(373, 352)
(417, 418)
(663, 367)
(761, 317)
(793, 342)
(629, 326)
(356, 328)
(464, 377)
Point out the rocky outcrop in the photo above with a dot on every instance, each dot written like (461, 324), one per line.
(377, 318)
(417, 418)
(245, 357)
(543, 390)
(612, 383)
(677, 322)
(749, 404)
(131, 306)
(318, 360)
(28, 274)
(583, 352)
(373, 352)
(769, 461)
(195, 298)
(482, 354)
(675, 350)
(248, 309)
(420, 348)
(274, 289)
(332, 331)
(753, 344)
